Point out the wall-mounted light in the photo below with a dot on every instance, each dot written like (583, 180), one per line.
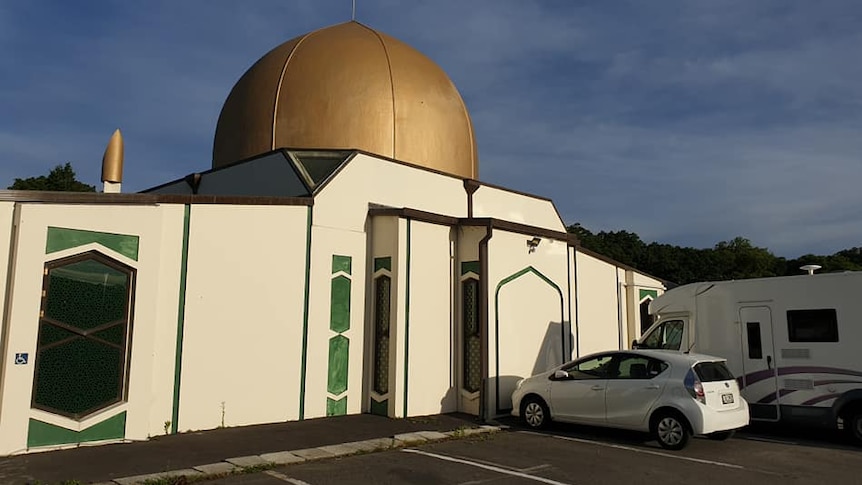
(532, 244)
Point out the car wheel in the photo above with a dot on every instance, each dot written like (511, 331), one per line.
(853, 425)
(671, 431)
(721, 435)
(535, 412)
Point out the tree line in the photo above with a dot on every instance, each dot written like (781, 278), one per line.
(734, 259)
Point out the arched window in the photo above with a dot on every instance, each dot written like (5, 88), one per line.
(84, 335)
(646, 318)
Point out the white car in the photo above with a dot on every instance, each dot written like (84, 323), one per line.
(672, 395)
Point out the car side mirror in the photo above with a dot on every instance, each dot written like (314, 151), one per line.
(561, 375)
(635, 344)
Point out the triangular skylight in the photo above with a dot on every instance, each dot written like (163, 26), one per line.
(317, 166)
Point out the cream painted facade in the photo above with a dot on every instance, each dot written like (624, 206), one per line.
(386, 288)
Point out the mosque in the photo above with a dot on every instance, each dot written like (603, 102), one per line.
(340, 256)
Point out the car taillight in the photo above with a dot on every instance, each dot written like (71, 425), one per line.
(694, 387)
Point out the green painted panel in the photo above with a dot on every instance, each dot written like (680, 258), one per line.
(340, 263)
(470, 267)
(383, 263)
(44, 434)
(380, 408)
(61, 238)
(339, 356)
(645, 293)
(336, 408)
(339, 304)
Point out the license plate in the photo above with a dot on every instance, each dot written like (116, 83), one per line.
(727, 398)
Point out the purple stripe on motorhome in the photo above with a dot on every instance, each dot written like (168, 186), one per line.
(758, 376)
(836, 381)
(819, 399)
(772, 396)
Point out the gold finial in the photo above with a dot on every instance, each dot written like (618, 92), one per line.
(112, 161)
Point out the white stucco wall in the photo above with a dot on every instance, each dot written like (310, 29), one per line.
(528, 316)
(598, 305)
(7, 213)
(343, 202)
(384, 244)
(327, 242)
(467, 250)
(242, 341)
(150, 331)
(515, 207)
(430, 380)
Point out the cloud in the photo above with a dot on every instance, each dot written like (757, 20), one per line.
(688, 122)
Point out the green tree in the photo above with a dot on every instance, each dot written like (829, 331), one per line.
(60, 179)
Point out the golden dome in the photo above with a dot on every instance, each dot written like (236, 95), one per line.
(348, 86)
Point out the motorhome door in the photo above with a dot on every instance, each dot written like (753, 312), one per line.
(759, 380)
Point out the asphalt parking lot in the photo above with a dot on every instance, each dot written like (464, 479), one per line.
(578, 455)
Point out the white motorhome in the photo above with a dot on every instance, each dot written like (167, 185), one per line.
(793, 342)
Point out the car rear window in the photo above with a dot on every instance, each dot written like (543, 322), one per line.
(713, 371)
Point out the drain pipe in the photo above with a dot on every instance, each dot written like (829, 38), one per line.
(483, 318)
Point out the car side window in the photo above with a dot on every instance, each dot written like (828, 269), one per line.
(595, 368)
(639, 367)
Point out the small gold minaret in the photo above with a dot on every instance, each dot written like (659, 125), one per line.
(112, 164)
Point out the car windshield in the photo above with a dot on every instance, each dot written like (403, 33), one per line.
(713, 371)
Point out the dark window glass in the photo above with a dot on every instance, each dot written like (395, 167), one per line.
(639, 367)
(713, 371)
(472, 343)
(646, 318)
(666, 336)
(755, 347)
(381, 334)
(594, 368)
(812, 325)
(82, 347)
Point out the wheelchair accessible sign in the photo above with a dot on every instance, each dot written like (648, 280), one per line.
(22, 358)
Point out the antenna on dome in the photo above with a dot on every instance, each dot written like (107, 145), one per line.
(353, 15)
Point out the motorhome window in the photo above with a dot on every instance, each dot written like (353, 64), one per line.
(812, 325)
(755, 347)
(666, 336)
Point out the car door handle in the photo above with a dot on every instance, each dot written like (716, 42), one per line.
(597, 388)
(653, 386)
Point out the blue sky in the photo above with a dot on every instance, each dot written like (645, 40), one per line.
(688, 122)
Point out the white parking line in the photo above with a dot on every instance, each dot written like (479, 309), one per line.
(639, 450)
(485, 467)
(768, 440)
(285, 478)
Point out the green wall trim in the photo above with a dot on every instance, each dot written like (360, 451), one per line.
(339, 358)
(339, 304)
(645, 293)
(305, 302)
(380, 408)
(341, 263)
(60, 238)
(181, 317)
(407, 322)
(383, 263)
(43, 434)
(470, 267)
(503, 282)
(336, 408)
